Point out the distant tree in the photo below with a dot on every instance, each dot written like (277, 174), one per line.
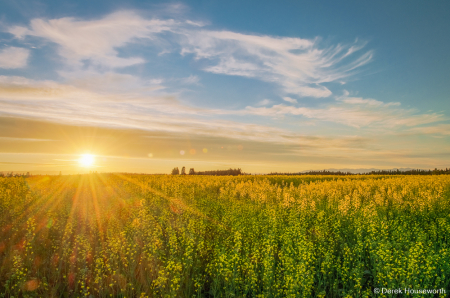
(191, 171)
(230, 172)
(379, 172)
(183, 171)
(175, 171)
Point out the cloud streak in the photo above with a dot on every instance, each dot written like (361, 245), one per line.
(441, 129)
(369, 102)
(358, 117)
(69, 104)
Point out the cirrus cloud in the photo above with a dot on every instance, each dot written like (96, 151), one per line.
(299, 66)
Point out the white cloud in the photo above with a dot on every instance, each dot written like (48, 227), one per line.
(288, 99)
(193, 23)
(369, 102)
(364, 101)
(95, 40)
(297, 65)
(315, 91)
(19, 31)
(12, 57)
(264, 102)
(191, 80)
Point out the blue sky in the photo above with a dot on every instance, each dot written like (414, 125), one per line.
(290, 85)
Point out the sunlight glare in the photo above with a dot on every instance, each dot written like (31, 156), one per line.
(86, 160)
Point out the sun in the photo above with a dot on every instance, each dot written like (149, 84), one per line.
(86, 160)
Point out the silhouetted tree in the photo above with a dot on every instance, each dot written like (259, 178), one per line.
(191, 171)
(175, 171)
(183, 171)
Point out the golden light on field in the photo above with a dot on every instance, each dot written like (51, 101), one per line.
(86, 160)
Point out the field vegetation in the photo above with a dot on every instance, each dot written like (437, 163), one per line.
(118, 235)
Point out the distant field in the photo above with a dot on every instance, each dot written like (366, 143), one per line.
(110, 235)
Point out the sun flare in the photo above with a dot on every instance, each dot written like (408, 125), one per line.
(86, 160)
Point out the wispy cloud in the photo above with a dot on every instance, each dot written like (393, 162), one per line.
(80, 102)
(289, 99)
(79, 106)
(298, 66)
(112, 83)
(264, 102)
(19, 88)
(191, 80)
(13, 57)
(352, 116)
(364, 101)
(369, 102)
(95, 40)
(440, 129)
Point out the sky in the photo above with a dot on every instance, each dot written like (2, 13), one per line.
(265, 86)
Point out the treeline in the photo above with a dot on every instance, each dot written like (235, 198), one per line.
(229, 172)
(436, 171)
(12, 174)
(410, 172)
(324, 172)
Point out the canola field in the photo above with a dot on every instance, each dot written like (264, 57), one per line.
(123, 235)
